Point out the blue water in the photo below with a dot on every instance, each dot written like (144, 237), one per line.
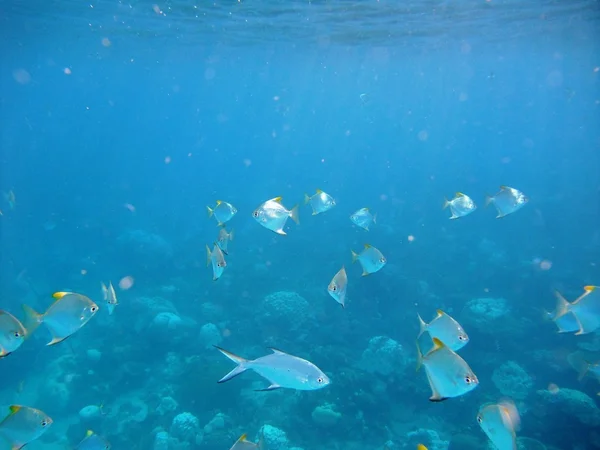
(121, 121)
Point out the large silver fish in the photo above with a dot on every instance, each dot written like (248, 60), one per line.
(586, 309)
(448, 374)
(507, 201)
(69, 313)
(446, 329)
(223, 212)
(281, 369)
(12, 333)
(273, 215)
(363, 218)
(320, 202)
(23, 425)
(338, 286)
(371, 259)
(499, 421)
(217, 259)
(461, 205)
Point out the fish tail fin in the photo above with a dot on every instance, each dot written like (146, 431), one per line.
(32, 319)
(231, 235)
(422, 326)
(419, 356)
(261, 441)
(488, 199)
(209, 211)
(241, 365)
(295, 214)
(208, 256)
(306, 199)
(562, 305)
(375, 218)
(104, 291)
(446, 203)
(354, 256)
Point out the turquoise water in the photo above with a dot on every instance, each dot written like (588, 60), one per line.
(121, 121)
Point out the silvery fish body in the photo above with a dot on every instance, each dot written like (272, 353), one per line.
(338, 286)
(448, 374)
(446, 329)
(461, 205)
(92, 441)
(371, 260)
(23, 425)
(507, 201)
(244, 444)
(273, 215)
(110, 297)
(12, 333)
(320, 202)
(281, 369)
(496, 422)
(363, 218)
(224, 238)
(222, 211)
(586, 310)
(216, 258)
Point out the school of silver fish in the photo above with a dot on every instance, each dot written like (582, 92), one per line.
(448, 374)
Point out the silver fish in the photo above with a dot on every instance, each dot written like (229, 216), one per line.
(273, 215)
(244, 444)
(446, 329)
(499, 422)
(586, 309)
(92, 441)
(448, 374)
(222, 211)
(69, 313)
(224, 238)
(217, 259)
(567, 322)
(371, 260)
(338, 286)
(110, 297)
(507, 201)
(320, 202)
(24, 425)
(12, 333)
(363, 218)
(461, 205)
(281, 369)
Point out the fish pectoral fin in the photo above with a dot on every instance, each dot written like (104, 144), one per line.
(435, 399)
(55, 340)
(270, 388)
(281, 232)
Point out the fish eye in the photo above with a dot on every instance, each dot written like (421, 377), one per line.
(382, 260)
(94, 308)
(334, 288)
(255, 214)
(479, 419)
(17, 334)
(44, 423)
(462, 337)
(469, 380)
(320, 380)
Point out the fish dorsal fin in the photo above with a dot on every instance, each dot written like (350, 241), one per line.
(277, 351)
(421, 447)
(219, 202)
(589, 288)
(14, 409)
(89, 433)
(460, 194)
(319, 191)
(368, 246)
(440, 313)
(277, 199)
(437, 344)
(59, 295)
(504, 187)
(243, 438)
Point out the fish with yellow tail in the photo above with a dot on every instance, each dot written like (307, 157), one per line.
(273, 215)
(68, 314)
(460, 206)
(12, 333)
(244, 444)
(222, 211)
(23, 425)
(320, 202)
(500, 422)
(371, 260)
(448, 374)
(93, 441)
(585, 309)
(507, 201)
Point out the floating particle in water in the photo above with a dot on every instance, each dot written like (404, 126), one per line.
(545, 264)
(247, 162)
(21, 76)
(553, 388)
(130, 207)
(423, 135)
(126, 283)
(106, 42)
(67, 71)
(83, 272)
(167, 160)
(411, 238)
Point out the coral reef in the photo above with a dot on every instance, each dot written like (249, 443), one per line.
(573, 403)
(512, 380)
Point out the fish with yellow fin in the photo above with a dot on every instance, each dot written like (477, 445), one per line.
(338, 286)
(446, 329)
(12, 333)
(586, 309)
(500, 422)
(460, 206)
(23, 425)
(371, 259)
(93, 441)
(222, 211)
(224, 238)
(244, 444)
(68, 314)
(507, 201)
(320, 202)
(273, 215)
